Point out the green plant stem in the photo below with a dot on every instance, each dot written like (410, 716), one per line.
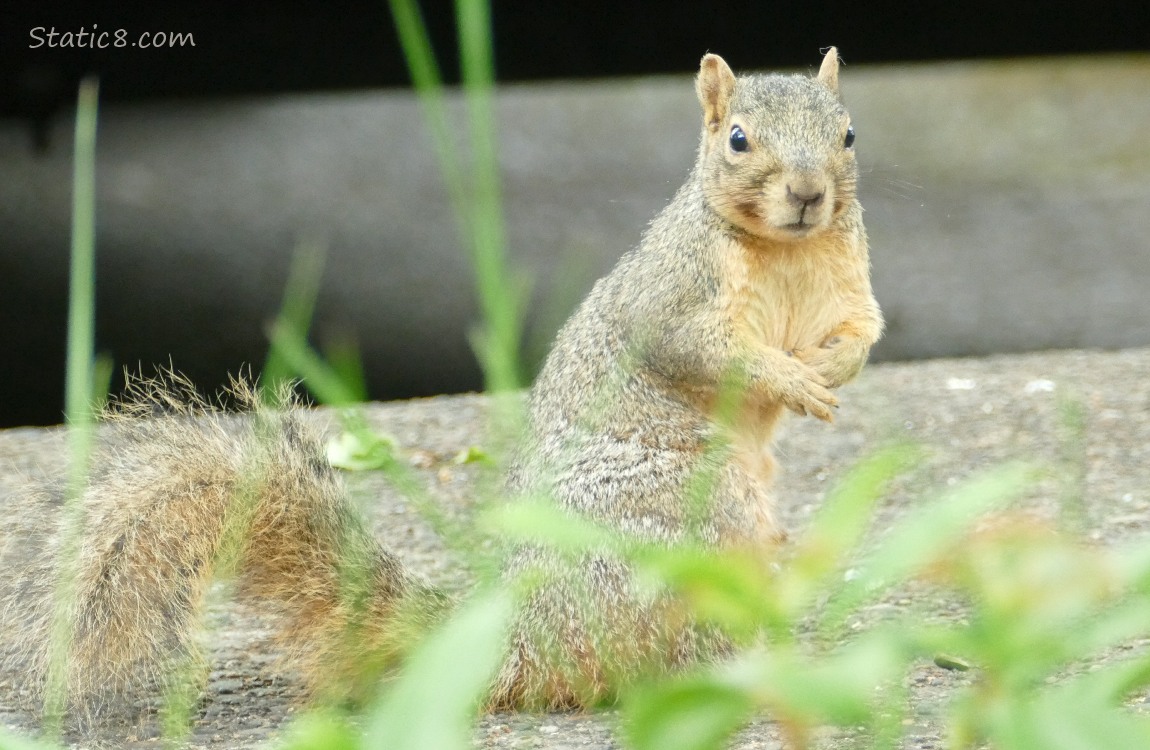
(82, 295)
(79, 391)
(296, 310)
(498, 295)
(428, 85)
(477, 202)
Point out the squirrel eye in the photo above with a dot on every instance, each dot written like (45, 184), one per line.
(850, 139)
(738, 139)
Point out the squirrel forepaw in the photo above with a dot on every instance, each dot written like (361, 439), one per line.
(813, 398)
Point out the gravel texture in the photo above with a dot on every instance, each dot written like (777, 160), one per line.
(967, 414)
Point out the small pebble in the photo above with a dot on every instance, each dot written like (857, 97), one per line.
(229, 685)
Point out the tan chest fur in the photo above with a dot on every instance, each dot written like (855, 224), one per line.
(789, 296)
(785, 297)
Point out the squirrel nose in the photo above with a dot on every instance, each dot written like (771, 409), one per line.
(805, 195)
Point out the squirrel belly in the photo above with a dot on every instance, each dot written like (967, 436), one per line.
(757, 268)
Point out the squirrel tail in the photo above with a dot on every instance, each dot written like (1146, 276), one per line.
(182, 493)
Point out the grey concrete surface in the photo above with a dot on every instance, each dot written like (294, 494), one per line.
(966, 415)
(1007, 204)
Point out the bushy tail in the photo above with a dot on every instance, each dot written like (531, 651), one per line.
(180, 492)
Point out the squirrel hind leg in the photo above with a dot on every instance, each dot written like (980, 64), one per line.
(590, 631)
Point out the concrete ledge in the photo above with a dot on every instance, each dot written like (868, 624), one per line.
(968, 414)
(1006, 203)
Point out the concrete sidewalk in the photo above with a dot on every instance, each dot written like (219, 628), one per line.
(968, 414)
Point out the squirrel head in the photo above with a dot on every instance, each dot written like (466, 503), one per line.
(777, 153)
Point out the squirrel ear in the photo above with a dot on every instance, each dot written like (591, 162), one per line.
(829, 70)
(714, 86)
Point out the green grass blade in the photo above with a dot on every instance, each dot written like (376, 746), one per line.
(342, 354)
(79, 391)
(296, 310)
(289, 346)
(82, 287)
(477, 202)
(499, 295)
(428, 82)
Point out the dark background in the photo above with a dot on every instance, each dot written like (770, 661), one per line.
(264, 47)
(245, 49)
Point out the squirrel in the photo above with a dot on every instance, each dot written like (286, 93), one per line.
(757, 270)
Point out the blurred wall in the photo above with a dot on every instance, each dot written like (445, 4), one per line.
(1006, 204)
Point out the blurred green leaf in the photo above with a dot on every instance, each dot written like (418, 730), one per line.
(433, 703)
(840, 688)
(1106, 686)
(543, 522)
(822, 551)
(360, 450)
(728, 590)
(1068, 719)
(321, 731)
(1094, 632)
(691, 714)
(472, 454)
(9, 741)
(857, 685)
(1131, 566)
(923, 535)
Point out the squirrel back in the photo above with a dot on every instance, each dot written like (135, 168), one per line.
(756, 273)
